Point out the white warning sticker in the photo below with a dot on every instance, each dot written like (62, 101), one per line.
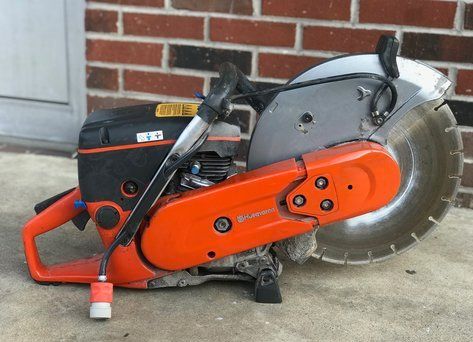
(149, 136)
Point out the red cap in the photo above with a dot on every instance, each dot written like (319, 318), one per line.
(101, 292)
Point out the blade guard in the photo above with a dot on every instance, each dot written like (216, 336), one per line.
(259, 205)
(361, 178)
(341, 111)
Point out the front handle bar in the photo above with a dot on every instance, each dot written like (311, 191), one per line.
(217, 101)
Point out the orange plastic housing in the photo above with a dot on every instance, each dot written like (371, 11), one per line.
(126, 267)
(362, 177)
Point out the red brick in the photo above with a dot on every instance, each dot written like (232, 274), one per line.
(284, 66)
(151, 3)
(222, 6)
(467, 138)
(428, 13)
(163, 25)
(101, 21)
(437, 47)
(469, 17)
(124, 52)
(159, 83)
(99, 102)
(315, 9)
(465, 82)
(462, 111)
(252, 32)
(102, 78)
(341, 39)
(203, 58)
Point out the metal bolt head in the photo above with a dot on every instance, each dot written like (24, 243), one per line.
(130, 188)
(307, 117)
(321, 183)
(326, 205)
(222, 224)
(228, 107)
(299, 200)
(195, 167)
(182, 283)
(378, 120)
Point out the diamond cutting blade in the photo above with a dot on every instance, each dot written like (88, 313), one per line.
(428, 148)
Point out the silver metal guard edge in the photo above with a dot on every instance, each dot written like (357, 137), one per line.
(432, 84)
(338, 114)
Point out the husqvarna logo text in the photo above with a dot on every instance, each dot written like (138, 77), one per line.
(244, 217)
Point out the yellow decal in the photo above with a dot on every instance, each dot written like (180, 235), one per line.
(170, 110)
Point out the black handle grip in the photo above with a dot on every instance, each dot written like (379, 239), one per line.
(215, 102)
(231, 78)
(244, 86)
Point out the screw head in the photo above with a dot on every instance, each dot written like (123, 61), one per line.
(130, 188)
(299, 200)
(307, 117)
(321, 183)
(326, 205)
(222, 224)
(378, 120)
(195, 167)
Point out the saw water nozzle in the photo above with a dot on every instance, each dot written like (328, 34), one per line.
(101, 297)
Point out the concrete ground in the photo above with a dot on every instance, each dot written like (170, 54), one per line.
(426, 294)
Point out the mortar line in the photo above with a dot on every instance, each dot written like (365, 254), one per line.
(354, 12)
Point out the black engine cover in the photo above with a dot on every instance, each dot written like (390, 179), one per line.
(110, 155)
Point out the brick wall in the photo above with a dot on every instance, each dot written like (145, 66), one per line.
(164, 50)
